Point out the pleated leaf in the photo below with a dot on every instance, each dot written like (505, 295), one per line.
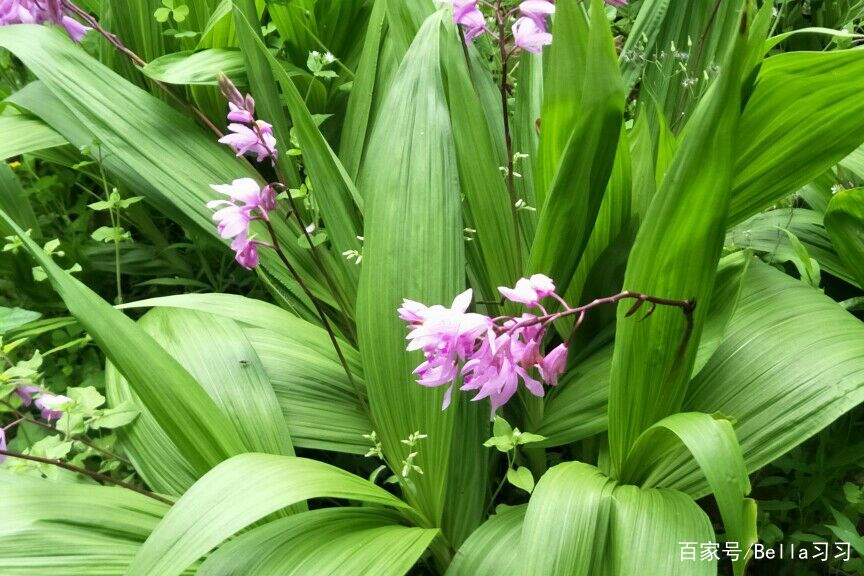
(675, 256)
(804, 116)
(72, 529)
(198, 67)
(319, 404)
(217, 353)
(24, 134)
(844, 221)
(413, 249)
(493, 548)
(237, 494)
(332, 541)
(576, 191)
(182, 408)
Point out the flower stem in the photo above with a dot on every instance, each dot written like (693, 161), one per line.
(85, 472)
(501, 19)
(326, 323)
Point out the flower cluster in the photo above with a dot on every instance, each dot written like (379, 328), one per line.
(51, 405)
(41, 12)
(247, 201)
(248, 135)
(530, 30)
(495, 353)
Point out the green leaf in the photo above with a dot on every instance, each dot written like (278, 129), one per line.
(521, 478)
(575, 194)
(492, 549)
(116, 417)
(201, 432)
(413, 249)
(329, 541)
(198, 68)
(319, 404)
(713, 445)
(487, 201)
(25, 134)
(87, 400)
(804, 116)
(581, 523)
(11, 318)
(162, 14)
(217, 354)
(180, 13)
(675, 256)
(70, 528)
(14, 202)
(203, 518)
(844, 221)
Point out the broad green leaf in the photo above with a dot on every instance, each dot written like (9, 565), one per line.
(804, 116)
(715, 448)
(779, 391)
(202, 434)
(580, 522)
(217, 353)
(413, 249)
(766, 233)
(487, 200)
(844, 222)
(563, 82)
(197, 67)
(71, 529)
(651, 527)
(203, 518)
(321, 542)
(675, 256)
(318, 401)
(153, 148)
(567, 521)
(573, 201)
(24, 134)
(493, 548)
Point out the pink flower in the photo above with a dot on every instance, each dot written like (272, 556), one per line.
(249, 193)
(529, 36)
(246, 140)
(241, 115)
(26, 393)
(529, 291)
(41, 12)
(466, 14)
(552, 366)
(246, 251)
(617, 3)
(52, 405)
(538, 11)
(445, 335)
(233, 220)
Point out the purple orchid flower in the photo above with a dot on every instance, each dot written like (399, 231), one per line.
(245, 139)
(538, 11)
(529, 36)
(41, 12)
(467, 15)
(529, 291)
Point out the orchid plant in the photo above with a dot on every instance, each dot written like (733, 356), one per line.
(518, 203)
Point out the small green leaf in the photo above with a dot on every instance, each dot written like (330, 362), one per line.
(120, 415)
(101, 205)
(521, 478)
(86, 400)
(501, 427)
(162, 14)
(528, 438)
(181, 12)
(134, 199)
